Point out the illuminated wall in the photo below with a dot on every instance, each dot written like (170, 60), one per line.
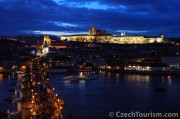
(101, 36)
(47, 40)
(104, 38)
(155, 40)
(79, 38)
(129, 40)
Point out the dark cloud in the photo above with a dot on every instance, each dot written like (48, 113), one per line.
(153, 16)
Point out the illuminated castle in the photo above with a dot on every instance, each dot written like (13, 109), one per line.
(93, 31)
(101, 36)
(93, 35)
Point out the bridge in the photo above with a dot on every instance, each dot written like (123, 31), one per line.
(38, 98)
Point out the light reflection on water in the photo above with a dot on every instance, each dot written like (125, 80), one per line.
(4, 93)
(117, 78)
(169, 80)
(1, 77)
(121, 92)
(111, 92)
(137, 77)
(108, 75)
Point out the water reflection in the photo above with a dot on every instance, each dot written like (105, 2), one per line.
(163, 79)
(108, 75)
(137, 77)
(4, 76)
(82, 84)
(1, 76)
(102, 74)
(169, 80)
(126, 91)
(117, 78)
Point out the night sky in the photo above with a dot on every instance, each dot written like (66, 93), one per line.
(62, 17)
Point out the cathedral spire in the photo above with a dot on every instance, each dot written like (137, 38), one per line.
(93, 30)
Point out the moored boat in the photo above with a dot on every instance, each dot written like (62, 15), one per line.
(79, 78)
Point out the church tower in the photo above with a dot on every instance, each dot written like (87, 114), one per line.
(46, 45)
(47, 40)
(93, 30)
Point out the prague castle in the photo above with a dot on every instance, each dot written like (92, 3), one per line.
(92, 36)
(101, 36)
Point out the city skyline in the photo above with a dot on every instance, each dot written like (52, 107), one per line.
(61, 17)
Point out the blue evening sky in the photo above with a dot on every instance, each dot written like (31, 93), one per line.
(63, 17)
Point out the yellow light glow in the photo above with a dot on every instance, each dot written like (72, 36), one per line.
(117, 76)
(81, 74)
(109, 67)
(1, 76)
(23, 68)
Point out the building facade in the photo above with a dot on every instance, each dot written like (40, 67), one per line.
(93, 35)
(47, 40)
(101, 36)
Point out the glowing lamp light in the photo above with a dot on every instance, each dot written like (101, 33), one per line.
(23, 67)
(61, 107)
(56, 95)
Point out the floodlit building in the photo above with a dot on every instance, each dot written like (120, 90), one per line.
(46, 45)
(129, 40)
(146, 66)
(101, 36)
(92, 36)
(47, 40)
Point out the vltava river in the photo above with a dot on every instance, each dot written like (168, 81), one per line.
(117, 92)
(108, 93)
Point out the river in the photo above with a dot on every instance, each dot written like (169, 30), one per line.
(109, 93)
(117, 92)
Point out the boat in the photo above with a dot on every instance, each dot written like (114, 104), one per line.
(79, 78)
